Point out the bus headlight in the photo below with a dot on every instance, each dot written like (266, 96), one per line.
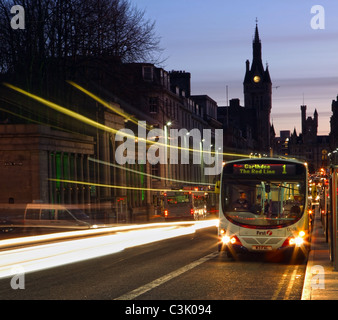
(230, 240)
(299, 240)
(226, 239)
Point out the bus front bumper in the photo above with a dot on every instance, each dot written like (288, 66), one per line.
(234, 245)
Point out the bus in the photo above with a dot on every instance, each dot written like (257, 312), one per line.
(184, 205)
(263, 207)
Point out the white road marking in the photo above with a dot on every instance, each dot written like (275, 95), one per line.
(281, 283)
(291, 283)
(151, 285)
(285, 280)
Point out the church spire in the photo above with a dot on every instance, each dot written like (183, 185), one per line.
(257, 64)
(257, 95)
(257, 33)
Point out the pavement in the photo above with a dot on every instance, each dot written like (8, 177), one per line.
(321, 281)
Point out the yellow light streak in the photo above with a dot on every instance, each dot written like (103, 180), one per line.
(44, 256)
(36, 121)
(120, 187)
(147, 174)
(68, 112)
(109, 129)
(112, 106)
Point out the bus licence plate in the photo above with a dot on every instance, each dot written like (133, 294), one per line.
(262, 248)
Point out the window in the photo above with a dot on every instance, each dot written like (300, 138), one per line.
(166, 80)
(178, 198)
(153, 104)
(155, 171)
(167, 106)
(272, 203)
(148, 73)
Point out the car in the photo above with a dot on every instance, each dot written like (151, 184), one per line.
(56, 216)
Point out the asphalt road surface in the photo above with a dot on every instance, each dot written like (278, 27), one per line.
(184, 268)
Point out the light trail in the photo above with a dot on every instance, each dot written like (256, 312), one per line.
(45, 256)
(102, 229)
(147, 174)
(112, 106)
(67, 112)
(109, 129)
(36, 121)
(122, 187)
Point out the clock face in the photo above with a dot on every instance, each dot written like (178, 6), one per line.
(256, 79)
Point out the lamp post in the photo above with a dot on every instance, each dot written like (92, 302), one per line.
(166, 137)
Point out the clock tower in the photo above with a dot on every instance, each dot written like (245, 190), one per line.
(258, 95)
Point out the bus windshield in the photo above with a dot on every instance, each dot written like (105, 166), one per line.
(263, 203)
(178, 198)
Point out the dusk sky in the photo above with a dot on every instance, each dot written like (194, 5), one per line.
(213, 39)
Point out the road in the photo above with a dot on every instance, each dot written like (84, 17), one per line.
(183, 268)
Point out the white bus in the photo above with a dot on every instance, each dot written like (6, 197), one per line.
(263, 207)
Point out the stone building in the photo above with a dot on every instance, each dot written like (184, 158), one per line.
(74, 161)
(32, 155)
(308, 145)
(166, 97)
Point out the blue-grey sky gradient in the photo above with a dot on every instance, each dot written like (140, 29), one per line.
(213, 39)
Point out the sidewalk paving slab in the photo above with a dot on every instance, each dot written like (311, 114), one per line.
(321, 281)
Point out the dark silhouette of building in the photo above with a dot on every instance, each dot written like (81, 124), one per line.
(308, 145)
(247, 128)
(258, 95)
(334, 125)
(281, 143)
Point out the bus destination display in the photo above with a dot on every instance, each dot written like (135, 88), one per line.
(264, 169)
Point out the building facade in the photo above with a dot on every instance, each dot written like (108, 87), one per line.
(76, 162)
(35, 160)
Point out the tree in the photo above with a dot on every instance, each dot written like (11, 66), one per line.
(60, 30)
